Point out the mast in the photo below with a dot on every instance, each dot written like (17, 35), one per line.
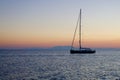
(80, 31)
(78, 24)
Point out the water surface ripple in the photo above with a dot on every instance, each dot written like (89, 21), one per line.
(59, 65)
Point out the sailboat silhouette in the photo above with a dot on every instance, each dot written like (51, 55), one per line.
(80, 50)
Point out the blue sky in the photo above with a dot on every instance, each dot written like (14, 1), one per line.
(52, 22)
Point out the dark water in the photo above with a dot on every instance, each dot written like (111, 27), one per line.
(59, 65)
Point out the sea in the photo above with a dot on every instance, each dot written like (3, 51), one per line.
(52, 64)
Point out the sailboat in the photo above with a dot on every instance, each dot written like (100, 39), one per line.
(80, 50)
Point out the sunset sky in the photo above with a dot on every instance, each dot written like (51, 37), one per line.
(48, 23)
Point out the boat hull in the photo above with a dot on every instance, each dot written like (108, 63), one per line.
(82, 51)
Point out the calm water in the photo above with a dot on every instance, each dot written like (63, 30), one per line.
(59, 65)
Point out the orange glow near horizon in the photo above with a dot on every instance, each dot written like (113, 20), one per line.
(40, 42)
(103, 44)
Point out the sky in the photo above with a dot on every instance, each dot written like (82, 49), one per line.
(48, 23)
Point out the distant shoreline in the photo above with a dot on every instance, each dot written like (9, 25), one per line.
(53, 48)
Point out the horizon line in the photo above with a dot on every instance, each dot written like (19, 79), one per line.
(54, 47)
